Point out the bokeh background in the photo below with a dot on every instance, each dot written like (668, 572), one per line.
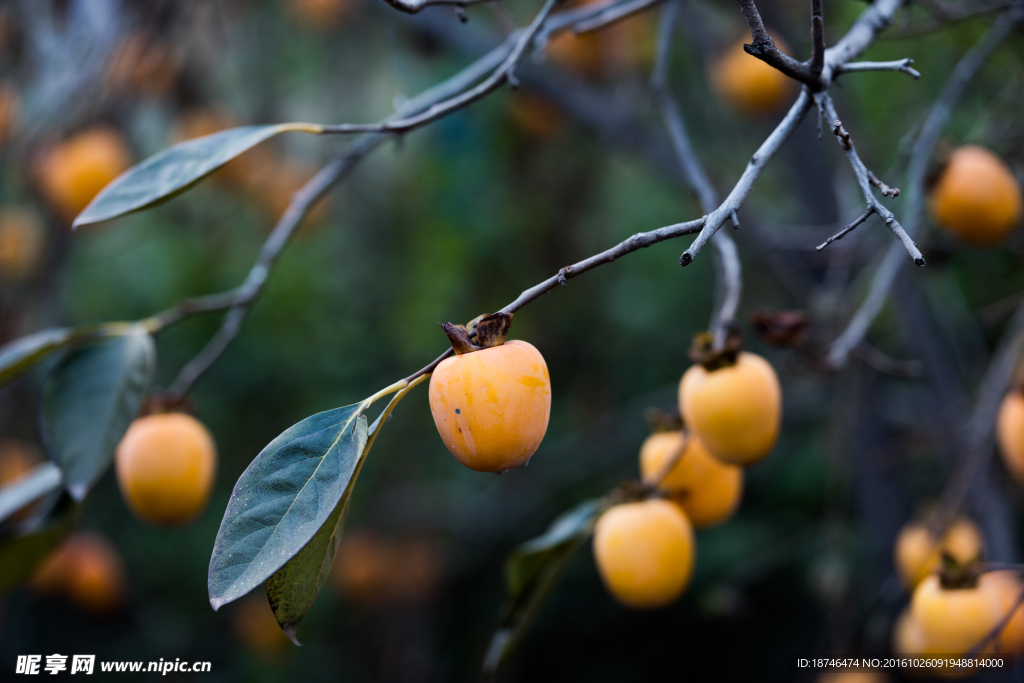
(455, 220)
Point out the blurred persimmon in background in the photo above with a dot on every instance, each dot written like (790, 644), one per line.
(22, 240)
(74, 172)
(87, 569)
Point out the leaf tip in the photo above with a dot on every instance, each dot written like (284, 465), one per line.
(292, 631)
(78, 491)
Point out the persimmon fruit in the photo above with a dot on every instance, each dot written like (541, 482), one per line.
(977, 197)
(954, 620)
(22, 238)
(87, 569)
(165, 467)
(1007, 586)
(748, 84)
(708, 490)
(644, 552)
(74, 172)
(492, 405)
(734, 410)
(917, 553)
(1010, 433)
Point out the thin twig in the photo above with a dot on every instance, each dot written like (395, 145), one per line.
(914, 187)
(848, 229)
(997, 630)
(505, 73)
(764, 48)
(750, 174)
(901, 65)
(414, 6)
(729, 275)
(613, 15)
(817, 61)
(864, 179)
(978, 446)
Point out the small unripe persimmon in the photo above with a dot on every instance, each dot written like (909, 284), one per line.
(87, 569)
(491, 406)
(748, 84)
(644, 552)
(22, 237)
(165, 467)
(917, 553)
(256, 627)
(74, 172)
(708, 490)
(734, 410)
(953, 620)
(977, 198)
(1010, 432)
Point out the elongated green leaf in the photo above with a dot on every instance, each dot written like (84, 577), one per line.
(294, 587)
(21, 553)
(283, 498)
(90, 398)
(42, 480)
(176, 169)
(531, 573)
(22, 354)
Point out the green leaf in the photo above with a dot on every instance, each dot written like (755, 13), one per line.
(294, 587)
(42, 480)
(90, 398)
(176, 169)
(283, 499)
(21, 553)
(531, 573)
(22, 354)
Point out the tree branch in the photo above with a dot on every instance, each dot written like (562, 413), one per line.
(817, 61)
(414, 6)
(901, 65)
(914, 187)
(865, 178)
(505, 73)
(755, 166)
(764, 48)
(729, 280)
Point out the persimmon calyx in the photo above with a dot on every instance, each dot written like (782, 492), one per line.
(954, 574)
(704, 352)
(488, 330)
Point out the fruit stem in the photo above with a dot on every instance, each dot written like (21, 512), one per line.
(397, 386)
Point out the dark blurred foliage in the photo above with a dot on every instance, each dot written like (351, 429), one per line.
(454, 221)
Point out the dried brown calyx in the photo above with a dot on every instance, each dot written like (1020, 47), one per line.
(703, 350)
(659, 420)
(954, 575)
(782, 328)
(482, 332)
(162, 402)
